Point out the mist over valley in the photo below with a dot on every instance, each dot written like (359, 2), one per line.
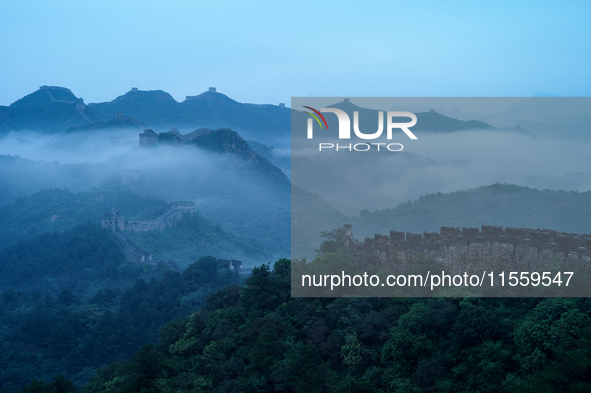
(449, 156)
(256, 195)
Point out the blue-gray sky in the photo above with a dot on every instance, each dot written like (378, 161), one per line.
(269, 51)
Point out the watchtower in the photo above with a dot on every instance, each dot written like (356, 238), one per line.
(186, 206)
(148, 137)
(113, 220)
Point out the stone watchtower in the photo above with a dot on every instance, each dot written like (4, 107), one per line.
(185, 206)
(148, 137)
(113, 220)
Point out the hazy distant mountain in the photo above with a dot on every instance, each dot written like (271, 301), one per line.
(55, 109)
(119, 122)
(430, 122)
(580, 130)
(157, 109)
(426, 121)
(497, 204)
(252, 121)
(49, 109)
(558, 110)
(281, 158)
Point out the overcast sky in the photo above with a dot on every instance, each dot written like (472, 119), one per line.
(269, 51)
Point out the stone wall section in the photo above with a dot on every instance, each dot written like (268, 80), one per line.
(169, 219)
(132, 251)
(486, 247)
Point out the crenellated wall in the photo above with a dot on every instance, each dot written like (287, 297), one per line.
(504, 247)
(167, 220)
(544, 239)
(115, 221)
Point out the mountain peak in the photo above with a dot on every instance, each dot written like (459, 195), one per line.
(46, 95)
(210, 95)
(346, 105)
(136, 94)
(49, 109)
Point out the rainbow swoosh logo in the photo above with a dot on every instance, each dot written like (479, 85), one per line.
(316, 117)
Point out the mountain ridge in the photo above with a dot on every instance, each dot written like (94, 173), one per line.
(49, 109)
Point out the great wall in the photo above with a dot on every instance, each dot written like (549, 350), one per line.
(80, 106)
(115, 222)
(490, 246)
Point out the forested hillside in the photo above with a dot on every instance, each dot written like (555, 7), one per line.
(196, 236)
(82, 259)
(52, 210)
(257, 338)
(45, 335)
(498, 204)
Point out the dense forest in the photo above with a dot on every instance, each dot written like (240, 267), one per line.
(256, 338)
(82, 259)
(76, 316)
(44, 335)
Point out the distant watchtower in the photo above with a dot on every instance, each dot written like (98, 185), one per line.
(212, 89)
(148, 137)
(113, 220)
(186, 206)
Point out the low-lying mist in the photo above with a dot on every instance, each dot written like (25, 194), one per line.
(352, 181)
(69, 147)
(241, 195)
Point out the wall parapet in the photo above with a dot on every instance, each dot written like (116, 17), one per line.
(541, 239)
(167, 220)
